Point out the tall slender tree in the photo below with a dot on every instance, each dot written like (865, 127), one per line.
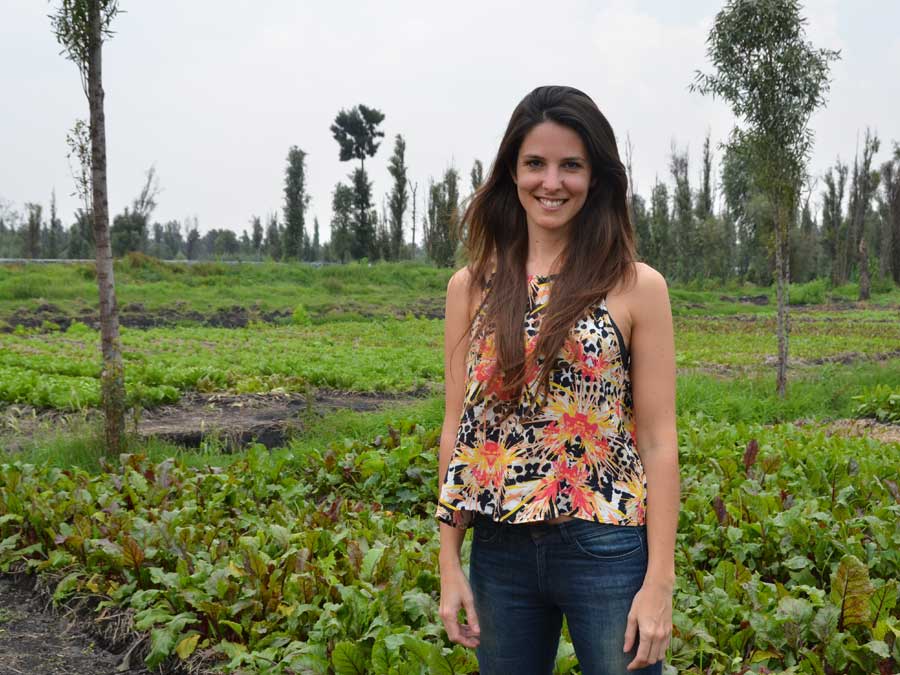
(342, 222)
(316, 246)
(477, 175)
(413, 189)
(683, 226)
(32, 233)
(357, 133)
(274, 243)
(889, 260)
(296, 199)
(834, 226)
(81, 27)
(863, 186)
(256, 238)
(55, 233)
(774, 79)
(399, 198)
(661, 254)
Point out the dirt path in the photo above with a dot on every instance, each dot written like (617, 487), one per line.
(879, 431)
(36, 642)
(230, 420)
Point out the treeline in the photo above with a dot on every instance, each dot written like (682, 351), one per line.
(707, 229)
(855, 235)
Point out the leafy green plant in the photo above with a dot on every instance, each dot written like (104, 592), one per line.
(881, 402)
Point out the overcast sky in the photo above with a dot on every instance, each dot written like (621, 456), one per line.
(214, 93)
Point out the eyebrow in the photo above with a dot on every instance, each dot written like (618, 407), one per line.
(564, 159)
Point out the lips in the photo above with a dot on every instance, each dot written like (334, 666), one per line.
(551, 203)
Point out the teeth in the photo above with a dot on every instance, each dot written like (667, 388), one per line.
(551, 203)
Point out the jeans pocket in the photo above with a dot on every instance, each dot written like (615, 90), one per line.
(484, 531)
(609, 542)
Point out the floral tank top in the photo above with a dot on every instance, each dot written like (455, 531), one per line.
(575, 454)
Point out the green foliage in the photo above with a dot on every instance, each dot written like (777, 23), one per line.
(881, 402)
(326, 557)
(300, 317)
(811, 293)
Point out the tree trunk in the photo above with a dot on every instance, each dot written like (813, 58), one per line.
(865, 285)
(782, 275)
(885, 260)
(112, 380)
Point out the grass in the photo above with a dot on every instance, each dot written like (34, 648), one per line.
(327, 291)
(333, 291)
(821, 396)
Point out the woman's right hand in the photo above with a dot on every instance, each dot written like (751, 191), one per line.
(455, 595)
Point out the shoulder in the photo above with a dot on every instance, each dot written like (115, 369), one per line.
(648, 281)
(649, 294)
(461, 281)
(460, 295)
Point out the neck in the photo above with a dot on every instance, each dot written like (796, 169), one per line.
(545, 250)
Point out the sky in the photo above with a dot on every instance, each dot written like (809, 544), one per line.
(213, 94)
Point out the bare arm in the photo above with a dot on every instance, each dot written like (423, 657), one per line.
(455, 591)
(456, 345)
(653, 383)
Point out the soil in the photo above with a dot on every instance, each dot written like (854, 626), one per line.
(845, 358)
(727, 372)
(136, 315)
(36, 641)
(879, 431)
(232, 420)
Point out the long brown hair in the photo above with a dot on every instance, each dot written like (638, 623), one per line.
(600, 251)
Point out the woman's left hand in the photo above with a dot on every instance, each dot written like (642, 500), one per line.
(650, 620)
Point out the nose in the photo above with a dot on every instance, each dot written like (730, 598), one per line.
(552, 180)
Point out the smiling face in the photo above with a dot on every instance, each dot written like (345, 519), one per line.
(552, 176)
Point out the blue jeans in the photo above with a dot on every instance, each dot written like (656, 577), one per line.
(525, 578)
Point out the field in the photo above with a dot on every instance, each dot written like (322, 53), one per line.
(273, 513)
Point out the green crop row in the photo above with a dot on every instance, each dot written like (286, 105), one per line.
(382, 355)
(881, 402)
(61, 369)
(325, 561)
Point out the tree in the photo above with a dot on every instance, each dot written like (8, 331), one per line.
(683, 226)
(55, 233)
(773, 79)
(81, 26)
(477, 175)
(399, 197)
(257, 236)
(81, 236)
(157, 248)
(316, 246)
(413, 189)
(863, 186)
(364, 217)
(704, 202)
(834, 226)
(32, 233)
(295, 241)
(172, 241)
(443, 213)
(128, 233)
(342, 222)
(637, 207)
(357, 133)
(889, 208)
(192, 239)
(226, 243)
(660, 254)
(273, 243)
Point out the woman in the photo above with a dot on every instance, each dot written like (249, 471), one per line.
(559, 444)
